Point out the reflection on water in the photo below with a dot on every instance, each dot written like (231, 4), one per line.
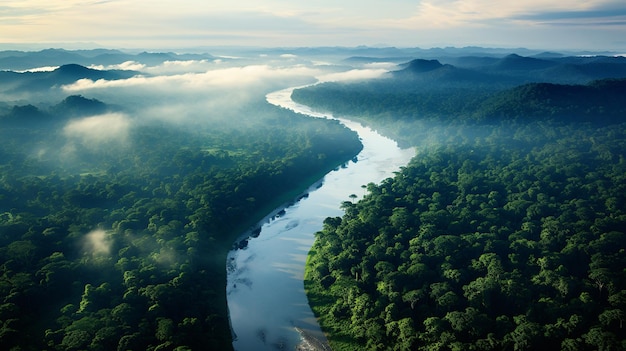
(266, 300)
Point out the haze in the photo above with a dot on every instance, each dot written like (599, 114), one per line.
(542, 24)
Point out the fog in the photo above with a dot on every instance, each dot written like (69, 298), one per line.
(97, 242)
(201, 91)
(95, 130)
(354, 74)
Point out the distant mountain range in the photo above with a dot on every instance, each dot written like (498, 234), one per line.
(24, 60)
(484, 90)
(513, 69)
(13, 82)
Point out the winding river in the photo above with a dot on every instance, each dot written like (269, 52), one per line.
(266, 300)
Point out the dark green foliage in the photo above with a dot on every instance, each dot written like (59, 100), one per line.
(509, 239)
(77, 105)
(122, 245)
(514, 243)
(396, 100)
(600, 102)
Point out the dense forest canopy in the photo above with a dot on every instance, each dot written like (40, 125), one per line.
(114, 229)
(505, 232)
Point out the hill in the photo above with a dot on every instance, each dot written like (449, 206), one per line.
(30, 117)
(15, 82)
(599, 102)
(24, 60)
(512, 88)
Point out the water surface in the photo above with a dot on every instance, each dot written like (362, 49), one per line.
(266, 299)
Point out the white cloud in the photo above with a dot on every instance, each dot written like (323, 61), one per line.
(39, 69)
(167, 67)
(170, 24)
(128, 66)
(226, 77)
(381, 65)
(183, 66)
(354, 74)
(214, 94)
(94, 130)
(97, 242)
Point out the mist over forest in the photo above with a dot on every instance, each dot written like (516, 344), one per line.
(126, 177)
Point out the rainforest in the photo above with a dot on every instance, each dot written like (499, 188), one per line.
(116, 218)
(126, 179)
(505, 231)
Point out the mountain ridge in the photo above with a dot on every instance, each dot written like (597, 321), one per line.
(14, 82)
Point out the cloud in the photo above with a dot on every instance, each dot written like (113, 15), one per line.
(478, 13)
(355, 74)
(180, 95)
(128, 66)
(606, 14)
(169, 25)
(39, 69)
(226, 77)
(94, 130)
(166, 68)
(219, 93)
(97, 242)
(173, 67)
(381, 65)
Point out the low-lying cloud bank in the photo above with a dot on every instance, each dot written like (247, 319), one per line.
(166, 68)
(244, 76)
(98, 129)
(199, 91)
(232, 77)
(355, 74)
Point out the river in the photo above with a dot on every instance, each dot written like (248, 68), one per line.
(266, 300)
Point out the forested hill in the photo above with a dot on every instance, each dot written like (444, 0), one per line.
(442, 96)
(29, 116)
(23, 60)
(386, 100)
(15, 82)
(600, 102)
(505, 232)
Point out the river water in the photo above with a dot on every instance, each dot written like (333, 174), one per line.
(266, 300)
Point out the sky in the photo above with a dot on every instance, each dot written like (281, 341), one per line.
(172, 24)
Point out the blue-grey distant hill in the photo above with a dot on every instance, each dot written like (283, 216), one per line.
(513, 69)
(511, 88)
(13, 82)
(25, 60)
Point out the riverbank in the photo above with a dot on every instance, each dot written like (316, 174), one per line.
(250, 227)
(311, 343)
(246, 228)
(320, 301)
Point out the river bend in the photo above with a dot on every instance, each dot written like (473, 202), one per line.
(266, 300)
